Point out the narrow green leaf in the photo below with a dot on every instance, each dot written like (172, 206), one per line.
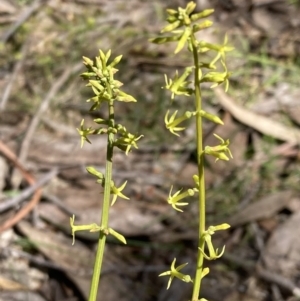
(211, 117)
(87, 61)
(186, 34)
(171, 26)
(91, 170)
(107, 56)
(172, 12)
(202, 25)
(125, 97)
(117, 235)
(190, 7)
(202, 14)
(96, 84)
(116, 61)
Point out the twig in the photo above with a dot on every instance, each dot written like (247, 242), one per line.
(15, 72)
(28, 191)
(264, 274)
(39, 261)
(260, 123)
(59, 127)
(94, 2)
(41, 110)
(43, 107)
(55, 200)
(30, 179)
(278, 279)
(21, 19)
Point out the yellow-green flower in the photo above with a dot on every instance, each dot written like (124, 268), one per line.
(179, 85)
(175, 199)
(174, 272)
(217, 77)
(219, 151)
(213, 253)
(91, 227)
(117, 192)
(171, 124)
(84, 132)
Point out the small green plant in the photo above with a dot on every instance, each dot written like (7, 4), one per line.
(182, 28)
(100, 76)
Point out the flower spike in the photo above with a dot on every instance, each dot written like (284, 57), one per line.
(183, 17)
(182, 28)
(100, 74)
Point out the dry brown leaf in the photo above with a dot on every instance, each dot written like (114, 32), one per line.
(260, 123)
(282, 251)
(78, 261)
(125, 216)
(6, 7)
(263, 208)
(11, 285)
(3, 173)
(20, 296)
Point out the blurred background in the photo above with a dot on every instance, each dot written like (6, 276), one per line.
(43, 100)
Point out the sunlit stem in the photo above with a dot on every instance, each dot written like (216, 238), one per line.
(200, 161)
(105, 209)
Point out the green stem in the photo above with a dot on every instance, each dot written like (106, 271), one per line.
(200, 159)
(105, 210)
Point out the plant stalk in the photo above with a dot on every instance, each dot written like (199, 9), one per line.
(200, 161)
(105, 210)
